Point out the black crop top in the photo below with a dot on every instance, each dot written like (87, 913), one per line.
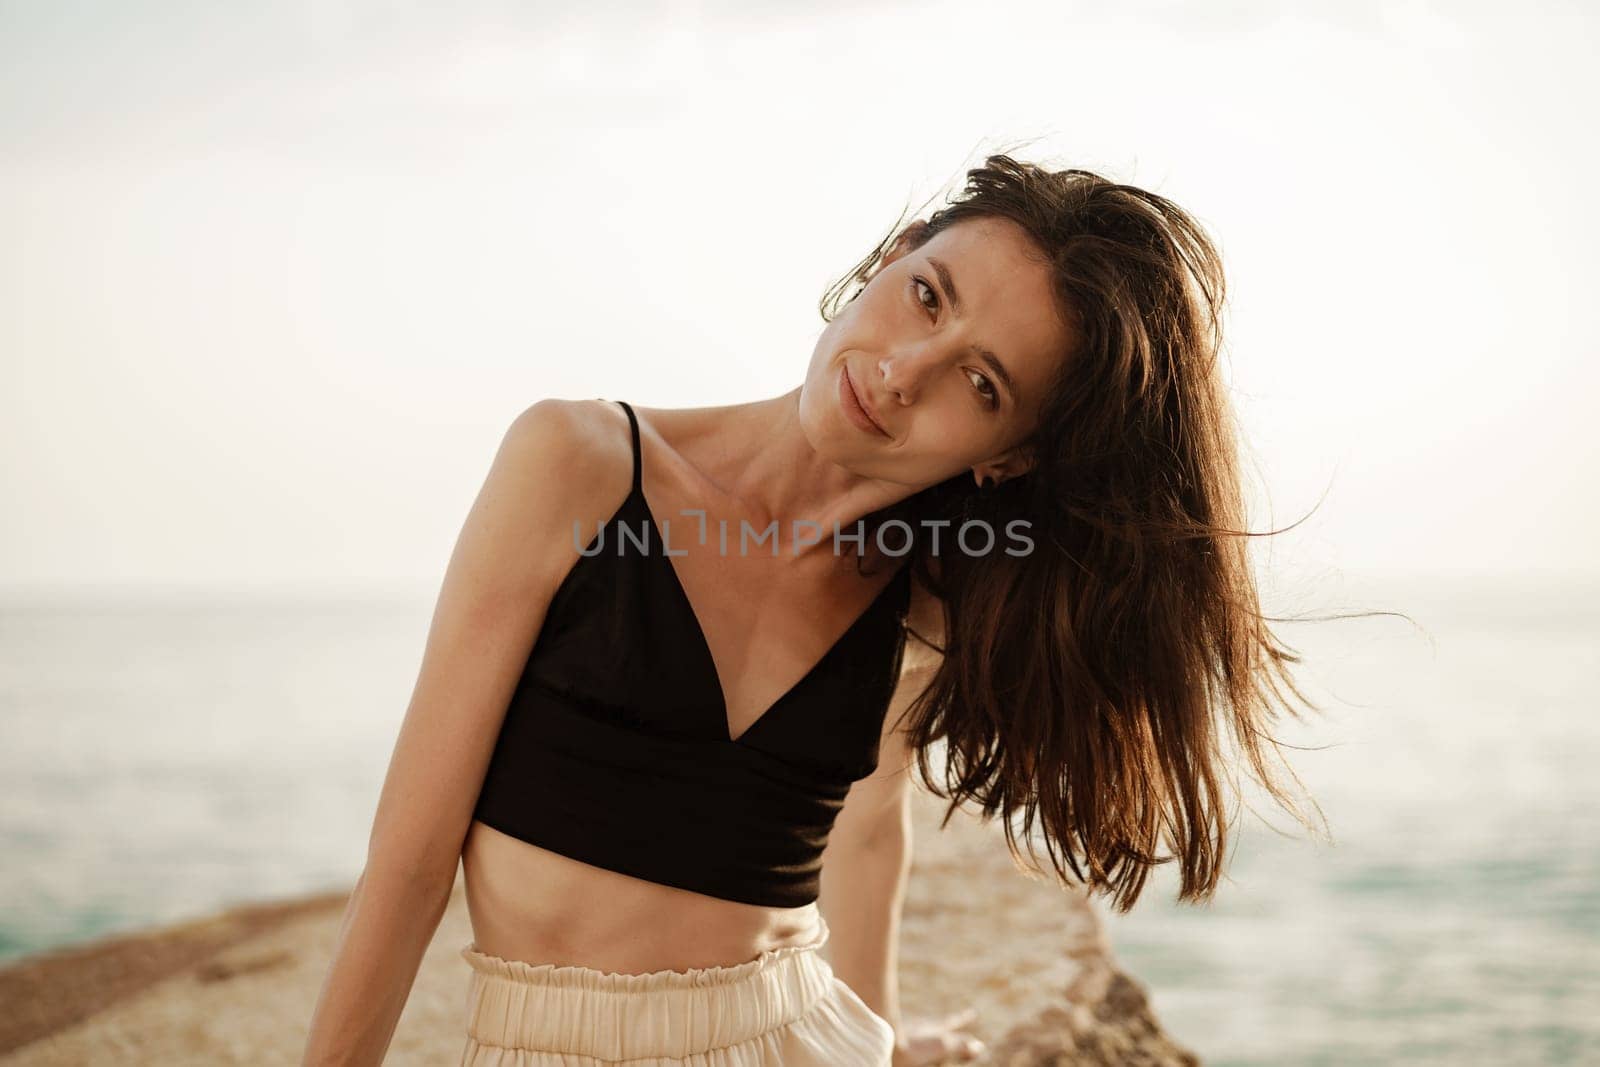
(615, 748)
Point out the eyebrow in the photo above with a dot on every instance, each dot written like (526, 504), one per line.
(985, 354)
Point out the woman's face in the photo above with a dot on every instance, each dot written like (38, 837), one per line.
(950, 347)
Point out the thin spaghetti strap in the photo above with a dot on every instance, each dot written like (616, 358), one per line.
(633, 426)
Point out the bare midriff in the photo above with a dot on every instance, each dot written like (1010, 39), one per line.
(530, 904)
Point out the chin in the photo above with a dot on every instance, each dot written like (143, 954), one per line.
(829, 430)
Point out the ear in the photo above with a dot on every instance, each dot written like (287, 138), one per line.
(1007, 465)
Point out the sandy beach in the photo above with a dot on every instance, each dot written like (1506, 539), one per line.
(238, 987)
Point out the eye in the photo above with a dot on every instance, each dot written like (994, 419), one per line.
(992, 398)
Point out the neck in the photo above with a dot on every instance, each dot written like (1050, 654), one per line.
(760, 456)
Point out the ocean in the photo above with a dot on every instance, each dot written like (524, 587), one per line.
(163, 758)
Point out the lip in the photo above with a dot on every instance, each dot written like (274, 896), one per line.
(856, 406)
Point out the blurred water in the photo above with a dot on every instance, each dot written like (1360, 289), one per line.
(158, 762)
(1455, 919)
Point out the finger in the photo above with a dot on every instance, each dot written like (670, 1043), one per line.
(961, 1018)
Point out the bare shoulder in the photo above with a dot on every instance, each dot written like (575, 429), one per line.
(580, 440)
(876, 805)
(925, 629)
(919, 662)
(561, 462)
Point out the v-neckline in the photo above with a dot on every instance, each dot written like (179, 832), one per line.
(725, 729)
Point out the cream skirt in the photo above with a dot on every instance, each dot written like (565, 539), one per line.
(785, 1008)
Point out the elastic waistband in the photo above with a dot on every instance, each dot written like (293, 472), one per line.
(610, 1016)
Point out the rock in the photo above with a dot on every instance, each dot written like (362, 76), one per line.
(1032, 957)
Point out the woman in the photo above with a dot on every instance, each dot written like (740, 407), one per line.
(676, 767)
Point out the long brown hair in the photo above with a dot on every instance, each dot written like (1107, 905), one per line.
(1093, 682)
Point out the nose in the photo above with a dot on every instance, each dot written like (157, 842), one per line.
(902, 373)
(899, 378)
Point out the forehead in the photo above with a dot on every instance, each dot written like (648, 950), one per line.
(1008, 298)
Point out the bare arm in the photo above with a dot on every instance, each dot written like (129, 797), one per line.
(868, 859)
(497, 587)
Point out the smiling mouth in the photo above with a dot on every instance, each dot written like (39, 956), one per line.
(855, 398)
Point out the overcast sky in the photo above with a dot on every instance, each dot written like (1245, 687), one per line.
(274, 282)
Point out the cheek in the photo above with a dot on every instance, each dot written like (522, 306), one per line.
(816, 372)
(959, 443)
(934, 453)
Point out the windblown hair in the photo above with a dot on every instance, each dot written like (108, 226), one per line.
(1093, 683)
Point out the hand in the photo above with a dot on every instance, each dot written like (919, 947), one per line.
(924, 1042)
